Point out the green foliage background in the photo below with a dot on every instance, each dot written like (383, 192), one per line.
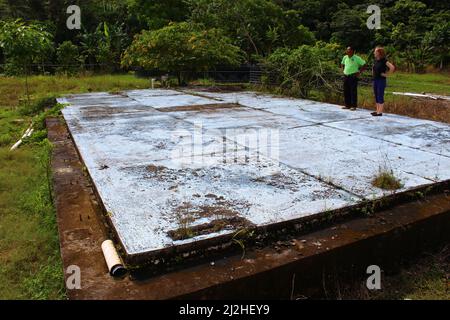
(416, 32)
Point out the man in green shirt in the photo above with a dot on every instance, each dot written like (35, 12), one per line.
(353, 66)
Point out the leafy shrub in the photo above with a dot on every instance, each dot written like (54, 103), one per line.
(68, 58)
(40, 132)
(105, 45)
(37, 106)
(39, 120)
(24, 44)
(181, 47)
(300, 70)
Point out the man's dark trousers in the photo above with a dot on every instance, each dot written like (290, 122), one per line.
(351, 91)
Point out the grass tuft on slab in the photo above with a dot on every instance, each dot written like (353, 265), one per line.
(386, 180)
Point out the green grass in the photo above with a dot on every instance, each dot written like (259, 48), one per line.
(417, 83)
(13, 89)
(418, 108)
(427, 279)
(29, 254)
(437, 83)
(30, 263)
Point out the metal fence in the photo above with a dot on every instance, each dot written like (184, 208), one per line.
(252, 74)
(51, 68)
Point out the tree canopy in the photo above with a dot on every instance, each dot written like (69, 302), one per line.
(415, 31)
(181, 47)
(24, 44)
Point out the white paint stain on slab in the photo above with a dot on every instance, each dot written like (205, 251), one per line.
(163, 162)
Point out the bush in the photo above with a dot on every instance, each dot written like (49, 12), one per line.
(40, 131)
(39, 120)
(37, 106)
(181, 48)
(68, 58)
(24, 44)
(301, 70)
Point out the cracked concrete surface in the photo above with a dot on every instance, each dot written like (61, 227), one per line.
(165, 160)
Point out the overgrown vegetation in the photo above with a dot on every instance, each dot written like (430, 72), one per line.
(181, 47)
(24, 44)
(416, 33)
(30, 263)
(299, 71)
(426, 278)
(13, 90)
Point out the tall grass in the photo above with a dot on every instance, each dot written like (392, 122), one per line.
(13, 90)
(30, 263)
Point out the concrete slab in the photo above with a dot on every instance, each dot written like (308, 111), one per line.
(415, 133)
(147, 203)
(351, 161)
(173, 168)
(302, 109)
(314, 260)
(172, 99)
(239, 117)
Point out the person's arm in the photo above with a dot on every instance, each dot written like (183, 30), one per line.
(343, 63)
(391, 69)
(363, 67)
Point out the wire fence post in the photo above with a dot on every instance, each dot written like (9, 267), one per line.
(27, 90)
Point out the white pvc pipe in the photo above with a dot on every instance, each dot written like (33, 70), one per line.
(421, 95)
(27, 134)
(113, 261)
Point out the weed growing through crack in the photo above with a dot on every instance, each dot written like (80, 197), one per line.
(185, 218)
(239, 238)
(328, 212)
(386, 180)
(438, 167)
